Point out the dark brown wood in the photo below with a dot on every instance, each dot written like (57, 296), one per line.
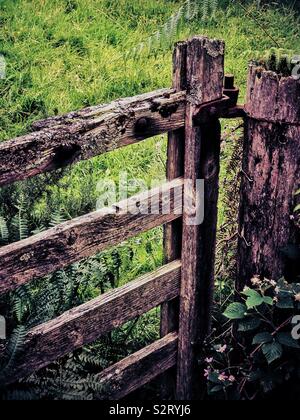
(81, 135)
(212, 110)
(271, 173)
(205, 73)
(272, 98)
(173, 231)
(138, 369)
(84, 324)
(82, 237)
(235, 112)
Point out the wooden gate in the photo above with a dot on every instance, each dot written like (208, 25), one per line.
(190, 113)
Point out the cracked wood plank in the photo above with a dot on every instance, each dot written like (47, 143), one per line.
(138, 369)
(60, 141)
(76, 239)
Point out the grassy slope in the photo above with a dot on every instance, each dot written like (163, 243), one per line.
(64, 55)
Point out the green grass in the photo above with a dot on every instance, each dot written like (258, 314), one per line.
(65, 55)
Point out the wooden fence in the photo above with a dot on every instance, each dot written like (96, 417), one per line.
(190, 113)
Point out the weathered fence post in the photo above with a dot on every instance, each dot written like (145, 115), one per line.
(205, 73)
(173, 231)
(271, 172)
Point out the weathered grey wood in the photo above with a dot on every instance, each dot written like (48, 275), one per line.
(271, 174)
(84, 324)
(173, 231)
(205, 73)
(138, 369)
(81, 135)
(82, 237)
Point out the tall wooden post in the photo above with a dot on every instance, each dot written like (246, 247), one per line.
(205, 74)
(173, 231)
(271, 174)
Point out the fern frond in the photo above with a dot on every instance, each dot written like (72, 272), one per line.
(205, 9)
(57, 218)
(12, 350)
(21, 395)
(166, 35)
(214, 4)
(20, 221)
(4, 234)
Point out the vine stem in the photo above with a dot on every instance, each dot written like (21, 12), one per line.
(273, 334)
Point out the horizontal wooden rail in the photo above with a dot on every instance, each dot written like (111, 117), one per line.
(86, 323)
(71, 241)
(138, 369)
(93, 131)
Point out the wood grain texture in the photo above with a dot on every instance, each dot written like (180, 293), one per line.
(271, 174)
(205, 73)
(82, 237)
(272, 98)
(84, 324)
(173, 231)
(138, 369)
(81, 135)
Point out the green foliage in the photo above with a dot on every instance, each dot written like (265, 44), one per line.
(12, 350)
(4, 235)
(249, 324)
(262, 338)
(255, 299)
(272, 351)
(258, 353)
(236, 311)
(165, 36)
(75, 376)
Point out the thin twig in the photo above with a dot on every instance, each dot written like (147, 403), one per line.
(259, 24)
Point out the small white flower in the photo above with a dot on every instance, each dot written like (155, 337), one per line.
(256, 281)
(222, 377)
(222, 349)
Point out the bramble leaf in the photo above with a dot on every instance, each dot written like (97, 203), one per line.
(262, 338)
(249, 324)
(287, 340)
(235, 311)
(272, 351)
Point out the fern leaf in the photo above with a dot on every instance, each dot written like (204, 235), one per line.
(205, 9)
(13, 349)
(4, 235)
(57, 218)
